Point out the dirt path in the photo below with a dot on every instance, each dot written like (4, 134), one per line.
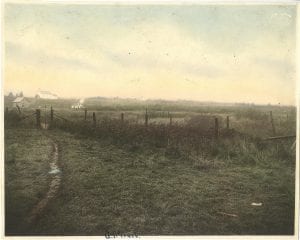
(53, 187)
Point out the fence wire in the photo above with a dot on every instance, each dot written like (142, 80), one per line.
(27, 116)
(62, 118)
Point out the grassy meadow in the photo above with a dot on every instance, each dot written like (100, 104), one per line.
(166, 178)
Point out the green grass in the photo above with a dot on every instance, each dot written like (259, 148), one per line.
(128, 179)
(27, 153)
(108, 189)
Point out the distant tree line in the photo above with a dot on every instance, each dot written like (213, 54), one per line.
(11, 95)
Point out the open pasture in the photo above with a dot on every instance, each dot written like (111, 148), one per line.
(160, 177)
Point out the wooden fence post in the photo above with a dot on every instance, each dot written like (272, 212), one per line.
(170, 116)
(146, 118)
(122, 117)
(19, 109)
(94, 119)
(272, 123)
(227, 122)
(216, 128)
(38, 118)
(51, 114)
(85, 113)
(45, 116)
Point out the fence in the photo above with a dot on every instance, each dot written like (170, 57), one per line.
(123, 131)
(215, 131)
(89, 119)
(193, 137)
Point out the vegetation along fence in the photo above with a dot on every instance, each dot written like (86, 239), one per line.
(195, 136)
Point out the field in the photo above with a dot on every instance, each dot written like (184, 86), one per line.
(163, 177)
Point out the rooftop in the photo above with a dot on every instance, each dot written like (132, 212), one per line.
(18, 99)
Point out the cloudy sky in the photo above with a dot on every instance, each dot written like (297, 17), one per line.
(207, 53)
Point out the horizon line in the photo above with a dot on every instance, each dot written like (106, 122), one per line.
(168, 100)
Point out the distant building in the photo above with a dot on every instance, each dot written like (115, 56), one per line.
(20, 102)
(46, 95)
(77, 106)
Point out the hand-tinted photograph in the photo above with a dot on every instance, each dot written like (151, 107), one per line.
(149, 119)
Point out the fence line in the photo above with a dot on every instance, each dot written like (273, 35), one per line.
(62, 118)
(27, 116)
(155, 133)
(94, 119)
(213, 131)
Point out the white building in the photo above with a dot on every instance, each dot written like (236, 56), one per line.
(77, 106)
(46, 95)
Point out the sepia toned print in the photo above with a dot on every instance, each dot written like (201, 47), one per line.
(125, 120)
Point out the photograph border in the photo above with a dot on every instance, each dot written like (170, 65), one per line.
(166, 2)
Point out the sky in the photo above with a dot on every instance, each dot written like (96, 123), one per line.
(221, 53)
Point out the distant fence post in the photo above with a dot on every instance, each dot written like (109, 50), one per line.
(170, 116)
(85, 113)
(45, 116)
(38, 118)
(122, 117)
(216, 128)
(146, 118)
(272, 123)
(227, 122)
(94, 119)
(51, 115)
